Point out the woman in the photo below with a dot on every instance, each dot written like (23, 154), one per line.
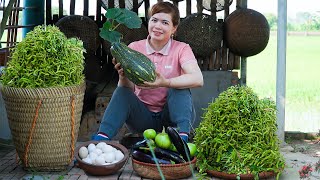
(167, 100)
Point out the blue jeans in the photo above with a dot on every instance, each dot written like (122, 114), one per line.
(125, 107)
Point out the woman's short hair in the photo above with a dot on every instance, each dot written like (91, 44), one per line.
(168, 8)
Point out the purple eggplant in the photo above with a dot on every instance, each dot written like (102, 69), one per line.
(145, 157)
(179, 143)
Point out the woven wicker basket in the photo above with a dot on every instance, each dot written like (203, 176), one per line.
(82, 27)
(202, 32)
(220, 5)
(172, 171)
(44, 124)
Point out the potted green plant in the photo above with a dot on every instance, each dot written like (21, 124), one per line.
(43, 89)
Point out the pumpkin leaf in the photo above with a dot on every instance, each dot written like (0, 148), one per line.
(129, 19)
(111, 36)
(122, 16)
(113, 13)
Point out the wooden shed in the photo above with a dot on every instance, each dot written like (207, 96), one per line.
(221, 68)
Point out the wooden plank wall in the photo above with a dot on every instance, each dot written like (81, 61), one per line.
(220, 59)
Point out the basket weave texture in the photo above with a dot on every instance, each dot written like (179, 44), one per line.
(82, 27)
(202, 32)
(44, 123)
(219, 5)
(172, 171)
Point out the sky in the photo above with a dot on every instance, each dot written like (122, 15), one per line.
(293, 6)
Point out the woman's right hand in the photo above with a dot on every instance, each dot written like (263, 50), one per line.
(123, 80)
(117, 66)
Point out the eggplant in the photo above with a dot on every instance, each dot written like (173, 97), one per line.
(137, 145)
(144, 157)
(179, 143)
(143, 143)
(168, 154)
(164, 154)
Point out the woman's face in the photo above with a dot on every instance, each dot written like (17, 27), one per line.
(161, 27)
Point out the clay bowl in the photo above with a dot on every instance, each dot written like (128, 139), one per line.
(102, 170)
(171, 171)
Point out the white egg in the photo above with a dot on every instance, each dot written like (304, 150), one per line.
(100, 160)
(91, 147)
(119, 155)
(98, 151)
(109, 157)
(83, 152)
(100, 145)
(87, 160)
(114, 149)
(107, 148)
(93, 156)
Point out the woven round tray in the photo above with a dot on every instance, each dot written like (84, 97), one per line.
(202, 32)
(129, 35)
(220, 5)
(44, 124)
(223, 175)
(128, 4)
(82, 27)
(172, 171)
(246, 32)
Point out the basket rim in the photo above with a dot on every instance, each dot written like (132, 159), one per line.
(44, 88)
(165, 165)
(264, 174)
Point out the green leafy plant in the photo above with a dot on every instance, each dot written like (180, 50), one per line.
(116, 17)
(238, 135)
(45, 58)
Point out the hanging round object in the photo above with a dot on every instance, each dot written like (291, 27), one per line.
(202, 32)
(220, 5)
(128, 4)
(246, 32)
(82, 27)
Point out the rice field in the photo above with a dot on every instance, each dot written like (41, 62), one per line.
(302, 80)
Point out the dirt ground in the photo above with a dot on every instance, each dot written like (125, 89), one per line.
(305, 146)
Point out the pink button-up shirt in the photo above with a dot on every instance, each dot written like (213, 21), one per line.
(169, 62)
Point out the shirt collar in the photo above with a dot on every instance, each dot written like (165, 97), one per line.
(163, 51)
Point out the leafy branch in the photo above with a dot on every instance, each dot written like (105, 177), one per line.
(116, 17)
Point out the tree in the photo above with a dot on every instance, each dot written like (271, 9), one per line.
(272, 20)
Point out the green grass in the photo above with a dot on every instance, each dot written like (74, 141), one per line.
(302, 72)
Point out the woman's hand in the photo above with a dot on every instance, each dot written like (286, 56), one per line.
(117, 66)
(160, 81)
(123, 80)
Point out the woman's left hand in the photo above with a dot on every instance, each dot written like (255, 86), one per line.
(160, 81)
